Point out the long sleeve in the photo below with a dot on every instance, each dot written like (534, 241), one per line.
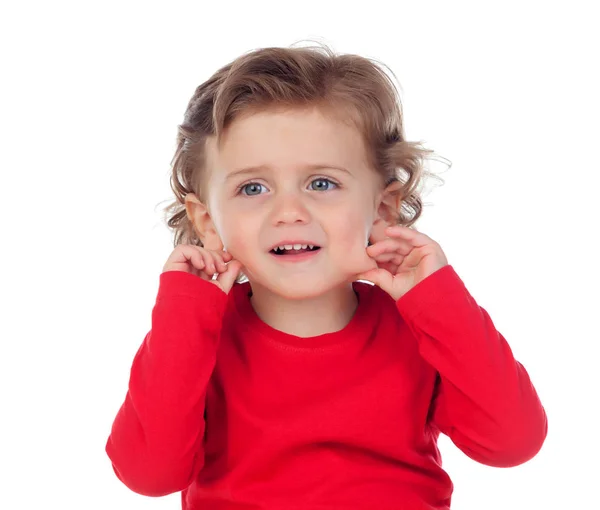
(155, 444)
(485, 401)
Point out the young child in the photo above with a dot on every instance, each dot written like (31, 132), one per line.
(272, 378)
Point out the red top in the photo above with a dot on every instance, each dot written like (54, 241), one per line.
(238, 415)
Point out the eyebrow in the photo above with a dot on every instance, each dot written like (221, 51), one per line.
(259, 168)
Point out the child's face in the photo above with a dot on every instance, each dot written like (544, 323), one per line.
(289, 199)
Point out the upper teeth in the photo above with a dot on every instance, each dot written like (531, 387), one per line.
(294, 247)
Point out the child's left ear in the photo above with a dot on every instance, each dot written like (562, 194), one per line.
(388, 207)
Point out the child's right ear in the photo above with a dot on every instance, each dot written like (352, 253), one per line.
(199, 216)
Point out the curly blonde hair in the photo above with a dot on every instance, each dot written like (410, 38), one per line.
(353, 88)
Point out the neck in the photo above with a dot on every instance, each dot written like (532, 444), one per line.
(305, 318)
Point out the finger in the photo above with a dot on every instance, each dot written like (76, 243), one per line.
(366, 275)
(209, 265)
(384, 257)
(415, 257)
(183, 253)
(218, 261)
(378, 276)
(389, 245)
(408, 233)
(227, 278)
(200, 267)
(197, 261)
(209, 262)
(395, 258)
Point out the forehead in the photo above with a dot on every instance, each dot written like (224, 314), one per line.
(288, 138)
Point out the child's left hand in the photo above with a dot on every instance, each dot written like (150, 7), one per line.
(403, 260)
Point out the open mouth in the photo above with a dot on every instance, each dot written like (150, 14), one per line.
(294, 250)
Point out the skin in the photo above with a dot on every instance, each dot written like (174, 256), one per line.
(287, 199)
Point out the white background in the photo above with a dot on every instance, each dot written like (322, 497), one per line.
(91, 96)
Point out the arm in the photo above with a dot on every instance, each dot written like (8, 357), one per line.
(155, 444)
(485, 401)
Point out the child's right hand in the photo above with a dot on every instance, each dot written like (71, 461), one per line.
(205, 263)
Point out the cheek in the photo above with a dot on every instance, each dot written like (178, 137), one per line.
(351, 229)
(348, 239)
(237, 235)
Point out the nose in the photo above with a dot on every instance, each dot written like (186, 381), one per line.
(289, 208)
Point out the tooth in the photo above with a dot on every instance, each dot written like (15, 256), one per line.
(311, 246)
(288, 246)
(297, 246)
(304, 246)
(281, 248)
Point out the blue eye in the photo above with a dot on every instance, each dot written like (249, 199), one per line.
(250, 188)
(323, 184)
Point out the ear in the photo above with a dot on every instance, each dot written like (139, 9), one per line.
(387, 211)
(199, 215)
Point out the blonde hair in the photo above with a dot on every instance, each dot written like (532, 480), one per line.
(351, 87)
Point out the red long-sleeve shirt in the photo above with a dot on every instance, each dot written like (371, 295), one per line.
(238, 415)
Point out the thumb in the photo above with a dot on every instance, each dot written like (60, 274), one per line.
(378, 276)
(226, 279)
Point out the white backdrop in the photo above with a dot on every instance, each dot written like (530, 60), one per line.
(90, 99)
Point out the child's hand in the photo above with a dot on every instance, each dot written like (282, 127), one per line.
(204, 264)
(404, 259)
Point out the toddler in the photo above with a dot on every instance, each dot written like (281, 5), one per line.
(308, 345)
